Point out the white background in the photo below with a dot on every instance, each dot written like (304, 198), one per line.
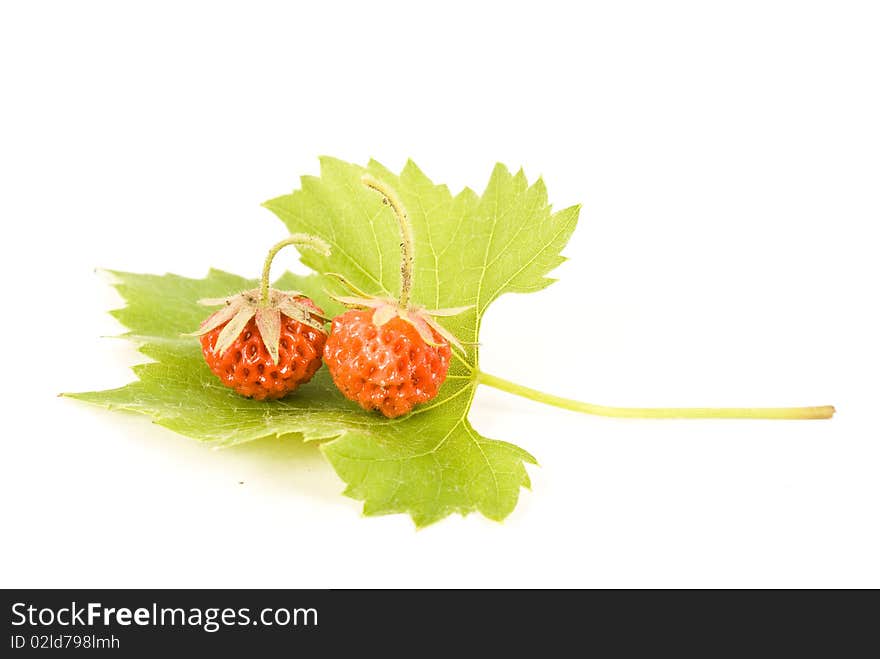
(726, 154)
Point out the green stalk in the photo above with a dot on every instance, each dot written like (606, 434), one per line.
(407, 259)
(821, 412)
(298, 239)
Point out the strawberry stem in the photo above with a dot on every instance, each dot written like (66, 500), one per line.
(389, 198)
(822, 412)
(298, 239)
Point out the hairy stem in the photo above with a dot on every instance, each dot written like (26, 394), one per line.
(298, 239)
(822, 412)
(406, 237)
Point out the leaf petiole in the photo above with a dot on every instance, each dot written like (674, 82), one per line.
(821, 412)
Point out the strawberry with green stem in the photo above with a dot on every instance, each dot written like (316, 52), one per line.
(264, 342)
(389, 355)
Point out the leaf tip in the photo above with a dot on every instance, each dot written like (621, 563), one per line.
(109, 276)
(500, 169)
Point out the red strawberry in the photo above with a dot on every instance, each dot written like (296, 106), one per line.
(389, 355)
(247, 365)
(388, 368)
(264, 343)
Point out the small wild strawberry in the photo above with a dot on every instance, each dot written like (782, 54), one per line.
(389, 355)
(264, 343)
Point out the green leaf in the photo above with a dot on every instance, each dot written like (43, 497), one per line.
(469, 250)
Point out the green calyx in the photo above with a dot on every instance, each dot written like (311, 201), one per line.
(264, 304)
